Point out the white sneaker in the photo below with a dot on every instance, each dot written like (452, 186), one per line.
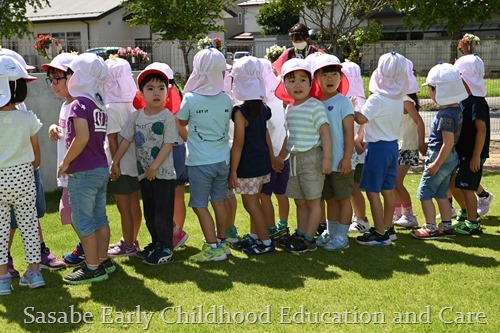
(396, 217)
(359, 225)
(453, 213)
(483, 204)
(407, 221)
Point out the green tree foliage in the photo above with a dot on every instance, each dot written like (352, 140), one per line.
(13, 19)
(184, 20)
(276, 18)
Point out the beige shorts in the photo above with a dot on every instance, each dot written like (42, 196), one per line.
(306, 180)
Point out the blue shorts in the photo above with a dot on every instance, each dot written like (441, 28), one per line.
(277, 184)
(208, 181)
(40, 200)
(436, 186)
(381, 166)
(87, 198)
(181, 169)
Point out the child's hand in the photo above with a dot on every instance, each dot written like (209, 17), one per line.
(233, 179)
(432, 169)
(114, 171)
(150, 173)
(277, 164)
(62, 169)
(54, 132)
(475, 164)
(326, 166)
(360, 149)
(345, 167)
(422, 148)
(354, 101)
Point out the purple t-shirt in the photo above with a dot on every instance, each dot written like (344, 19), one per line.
(93, 155)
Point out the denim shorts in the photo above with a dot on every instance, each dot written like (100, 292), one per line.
(436, 186)
(87, 197)
(208, 181)
(40, 200)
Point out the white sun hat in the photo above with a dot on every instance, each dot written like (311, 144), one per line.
(120, 83)
(472, 69)
(88, 78)
(206, 78)
(10, 70)
(390, 78)
(447, 80)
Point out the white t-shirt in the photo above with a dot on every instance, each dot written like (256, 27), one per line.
(61, 143)
(118, 115)
(408, 134)
(384, 116)
(276, 124)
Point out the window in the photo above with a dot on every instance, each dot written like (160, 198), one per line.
(70, 41)
(240, 18)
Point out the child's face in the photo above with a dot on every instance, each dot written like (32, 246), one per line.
(298, 85)
(329, 82)
(57, 81)
(155, 94)
(432, 93)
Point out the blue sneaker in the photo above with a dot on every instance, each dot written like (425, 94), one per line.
(337, 244)
(146, 251)
(32, 279)
(160, 255)
(76, 257)
(5, 285)
(232, 235)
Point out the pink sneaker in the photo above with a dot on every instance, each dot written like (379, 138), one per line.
(50, 262)
(180, 238)
(122, 250)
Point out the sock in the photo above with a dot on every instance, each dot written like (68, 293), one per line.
(483, 194)
(103, 259)
(378, 232)
(331, 227)
(33, 272)
(451, 200)
(8, 254)
(398, 210)
(266, 242)
(5, 277)
(220, 240)
(431, 226)
(271, 230)
(254, 236)
(463, 211)
(92, 267)
(475, 222)
(282, 224)
(307, 237)
(342, 230)
(446, 225)
(408, 209)
(42, 246)
(300, 233)
(213, 245)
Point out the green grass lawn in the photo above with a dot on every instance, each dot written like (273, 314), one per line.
(435, 286)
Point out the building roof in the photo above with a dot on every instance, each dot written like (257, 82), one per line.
(65, 10)
(253, 3)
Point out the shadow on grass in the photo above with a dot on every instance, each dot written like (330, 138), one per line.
(30, 308)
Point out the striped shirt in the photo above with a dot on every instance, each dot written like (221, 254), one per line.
(303, 122)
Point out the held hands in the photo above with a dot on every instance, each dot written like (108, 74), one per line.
(62, 169)
(360, 147)
(326, 166)
(151, 173)
(55, 132)
(233, 179)
(114, 171)
(422, 148)
(277, 164)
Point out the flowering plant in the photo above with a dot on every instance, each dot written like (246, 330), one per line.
(133, 54)
(204, 42)
(43, 43)
(273, 52)
(217, 43)
(465, 44)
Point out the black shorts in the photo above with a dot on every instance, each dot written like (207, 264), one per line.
(465, 178)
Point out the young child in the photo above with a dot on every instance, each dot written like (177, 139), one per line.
(473, 144)
(86, 165)
(356, 94)
(120, 93)
(411, 142)
(310, 146)
(207, 110)
(19, 156)
(337, 189)
(382, 115)
(446, 89)
(250, 157)
(154, 131)
(56, 77)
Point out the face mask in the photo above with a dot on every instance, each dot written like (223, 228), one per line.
(300, 46)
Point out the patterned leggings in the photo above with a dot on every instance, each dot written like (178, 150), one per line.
(17, 190)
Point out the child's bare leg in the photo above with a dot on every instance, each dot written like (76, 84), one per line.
(123, 202)
(207, 223)
(283, 207)
(220, 218)
(377, 210)
(430, 211)
(389, 205)
(252, 205)
(313, 220)
(179, 206)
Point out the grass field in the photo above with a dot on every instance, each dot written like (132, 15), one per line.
(412, 286)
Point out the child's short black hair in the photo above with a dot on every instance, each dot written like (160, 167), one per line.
(292, 75)
(18, 91)
(330, 69)
(153, 77)
(54, 71)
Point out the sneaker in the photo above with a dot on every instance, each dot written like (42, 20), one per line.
(146, 251)
(321, 228)
(226, 246)
(337, 244)
(483, 204)
(208, 253)
(359, 225)
(453, 213)
(10, 268)
(460, 219)
(407, 221)
(109, 266)
(392, 234)
(259, 248)
(122, 250)
(301, 245)
(83, 274)
(5, 286)
(396, 217)
(446, 232)
(373, 238)
(120, 242)
(246, 241)
(428, 231)
(282, 225)
(284, 242)
(160, 255)
(468, 228)
(50, 262)
(323, 239)
(232, 235)
(279, 234)
(33, 281)
(180, 238)
(76, 257)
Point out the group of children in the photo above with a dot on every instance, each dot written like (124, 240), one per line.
(305, 133)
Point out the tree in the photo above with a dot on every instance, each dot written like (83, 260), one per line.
(183, 20)
(335, 18)
(455, 14)
(13, 19)
(276, 19)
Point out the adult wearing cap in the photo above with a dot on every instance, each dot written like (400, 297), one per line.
(301, 48)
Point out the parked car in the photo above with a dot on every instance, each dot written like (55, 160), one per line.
(104, 51)
(240, 54)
